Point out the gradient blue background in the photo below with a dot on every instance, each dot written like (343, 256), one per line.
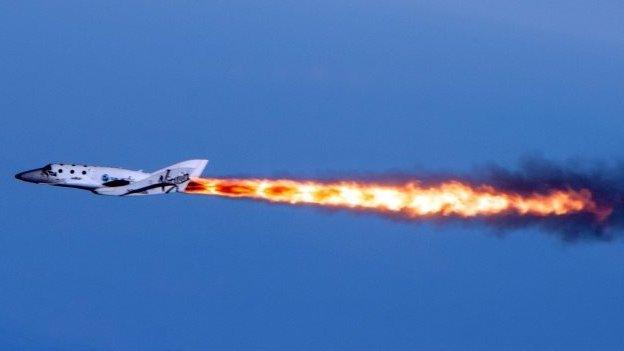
(308, 89)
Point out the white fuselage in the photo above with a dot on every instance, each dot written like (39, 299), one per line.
(81, 176)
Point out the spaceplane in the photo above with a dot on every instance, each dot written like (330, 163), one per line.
(116, 181)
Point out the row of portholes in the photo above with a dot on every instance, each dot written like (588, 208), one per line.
(71, 171)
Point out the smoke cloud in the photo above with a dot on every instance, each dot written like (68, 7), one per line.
(605, 182)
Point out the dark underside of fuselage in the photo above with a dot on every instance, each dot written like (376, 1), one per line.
(90, 188)
(153, 186)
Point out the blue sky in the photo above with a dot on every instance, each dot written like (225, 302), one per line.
(318, 89)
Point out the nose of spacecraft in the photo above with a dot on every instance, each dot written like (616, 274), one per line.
(32, 176)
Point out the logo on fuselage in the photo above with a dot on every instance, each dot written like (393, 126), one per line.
(175, 180)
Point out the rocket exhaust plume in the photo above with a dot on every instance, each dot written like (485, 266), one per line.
(412, 200)
(576, 205)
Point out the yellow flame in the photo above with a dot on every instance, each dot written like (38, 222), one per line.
(412, 199)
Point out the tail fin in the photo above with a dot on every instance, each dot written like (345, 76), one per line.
(196, 165)
(194, 168)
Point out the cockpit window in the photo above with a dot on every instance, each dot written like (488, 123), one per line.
(47, 170)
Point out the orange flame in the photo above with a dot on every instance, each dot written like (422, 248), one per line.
(412, 199)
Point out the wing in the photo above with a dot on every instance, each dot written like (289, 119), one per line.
(173, 178)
